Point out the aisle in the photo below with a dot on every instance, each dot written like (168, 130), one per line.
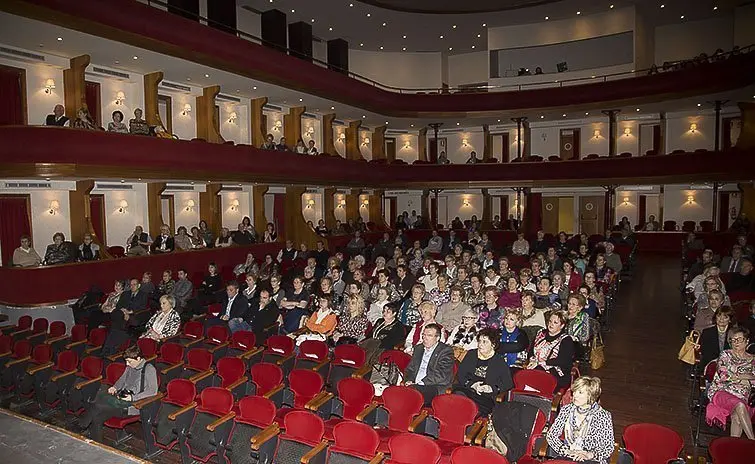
(642, 380)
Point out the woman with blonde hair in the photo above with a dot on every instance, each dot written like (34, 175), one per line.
(353, 323)
(164, 323)
(514, 341)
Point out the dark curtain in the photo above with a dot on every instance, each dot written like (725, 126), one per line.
(14, 222)
(279, 213)
(642, 210)
(607, 222)
(723, 211)
(533, 213)
(96, 207)
(504, 212)
(189, 9)
(11, 97)
(222, 15)
(92, 96)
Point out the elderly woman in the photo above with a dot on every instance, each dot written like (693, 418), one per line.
(697, 284)
(164, 323)
(182, 240)
(249, 266)
(714, 340)
(531, 316)
(514, 341)
(491, 315)
(410, 313)
(504, 270)
(383, 281)
(544, 299)
(428, 311)
(206, 233)
(510, 296)
(578, 326)
(376, 307)
(352, 324)
(483, 374)
(552, 349)
(710, 283)
(476, 293)
(269, 268)
(441, 294)
(387, 332)
(117, 124)
(197, 242)
(25, 255)
(583, 430)
(451, 312)
(167, 284)
(430, 280)
(558, 288)
(491, 277)
(525, 281)
(137, 125)
(732, 385)
(224, 239)
(58, 252)
(596, 293)
(321, 324)
(88, 250)
(415, 264)
(704, 317)
(464, 336)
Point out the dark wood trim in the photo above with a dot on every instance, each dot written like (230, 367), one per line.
(168, 111)
(22, 80)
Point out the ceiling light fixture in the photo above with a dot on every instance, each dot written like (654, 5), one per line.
(404, 49)
(351, 4)
(404, 37)
(361, 45)
(332, 107)
(60, 39)
(564, 115)
(638, 110)
(254, 88)
(330, 29)
(207, 75)
(457, 123)
(301, 99)
(715, 8)
(368, 15)
(381, 47)
(313, 19)
(472, 46)
(454, 26)
(699, 105)
(579, 12)
(441, 36)
(293, 11)
(450, 48)
(681, 17)
(547, 18)
(484, 25)
(542, 117)
(385, 24)
(663, 6)
(611, 7)
(363, 116)
(136, 57)
(587, 114)
(479, 35)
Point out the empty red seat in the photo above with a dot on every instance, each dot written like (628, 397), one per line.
(303, 435)
(214, 403)
(652, 443)
(731, 450)
(230, 375)
(313, 354)
(409, 448)
(354, 396)
(476, 455)
(167, 415)
(401, 404)
(169, 361)
(353, 440)
(279, 349)
(267, 379)
(455, 415)
(303, 386)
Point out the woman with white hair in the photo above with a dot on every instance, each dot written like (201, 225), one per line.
(463, 337)
(164, 323)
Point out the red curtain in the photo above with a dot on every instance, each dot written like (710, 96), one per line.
(642, 210)
(11, 97)
(279, 213)
(723, 211)
(92, 96)
(504, 212)
(14, 211)
(96, 207)
(533, 213)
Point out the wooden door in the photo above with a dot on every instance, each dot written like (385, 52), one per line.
(550, 214)
(13, 95)
(568, 144)
(591, 214)
(390, 149)
(165, 109)
(392, 211)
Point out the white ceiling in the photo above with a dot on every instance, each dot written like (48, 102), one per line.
(349, 20)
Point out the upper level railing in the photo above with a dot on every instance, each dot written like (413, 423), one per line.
(666, 67)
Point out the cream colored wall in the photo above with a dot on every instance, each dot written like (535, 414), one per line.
(315, 212)
(406, 152)
(231, 215)
(677, 208)
(278, 132)
(364, 147)
(630, 209)
(628, 142)
(187, 218)
(679, 135)
(464, 205)
(364, 210)
(339, 143)
(316, 125)
(120, 224)
(133, 92)
(238, 130)
(457, 151)
(590, 143)
(40, 103)
(184, 125)
(339, 210)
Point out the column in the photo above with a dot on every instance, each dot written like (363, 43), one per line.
(74, 85)
(714, 212)
(151, 110)
(328, 142)
(352, 205)
(208, 126)
(425, 207)
(519, 136)
(292, 125)
(352, 141)
(434, 126)
(154, 207)
(487, 146)
(329, 207)
(257, 120)
(611, 130)
(80, 215)
(209, 206)
(422, 145)
(610, 203)
(296, 227)
(258, 202)
(378, 142)
(487, 209)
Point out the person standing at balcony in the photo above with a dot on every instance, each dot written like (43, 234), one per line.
(282, 145)
(473, 159)
(138, 242)
(58, 117)
(137, 125)
(269, 143)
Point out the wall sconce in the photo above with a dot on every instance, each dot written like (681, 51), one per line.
(365, 203)
(310, 203)
(693, 127)
(341, 137)
(596, 134)
(464, 142)
(342, 203)
(690, 199)
(407, 144)
(232, 117)
(626, 201)
(310, 132)
(49, 85)
(187, 110)
(277, 125)
(123, 207)
(189, 205)
(54, 207)
(365, 141)
(627, 131)
(120, 97)
(465, 204)
(235, 205)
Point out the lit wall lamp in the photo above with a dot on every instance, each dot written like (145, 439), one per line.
(120, 97)
(341, 137)
(342, 203)
(627, 131)
(49, 85)
(464, 142)
(310, 132)
(465, 203)
(693, 127)
(596, 134)
(54, 207)
(235, 205)
(123, 207)
(690, 199)
(626, 201)
(187, 110)
(310, 203)
(365, 141)
(407, 144)
(365, 203)
(232, 117)
(277, 126)
(189, 205)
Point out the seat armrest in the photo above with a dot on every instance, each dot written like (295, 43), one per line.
(75, 344)
(170, 368)
(614, 459)
(93, 349)
(81, 385)
(187, 408)
(201, 376)
(311, 454)
(150, 358)
(237, 383)
(19, 332)
(144, 402)
(542, 450)
(556, 403)
(473, 431)
(194, 342)
(265, 435)
(367, 411)
(253, 352)
(501, 397)
(418, 419)
(319, 366)
(362, 371)
(41, 367)
(274, 391)
(299, 331)
(481, 436)
(318, 401)
(115, 357)
(377, 459)
(37, 335)
(219, 421)
(217, 347)
(18, 361)
(284, 359)
(62, 375)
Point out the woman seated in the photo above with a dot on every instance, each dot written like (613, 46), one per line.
(715, 340)
(483, 374)
(383, 281)
(25, 255)
(84, 120)
(249, 266)
(583, 430)
(182, 240)
(327, 291)
(552, 349)
(697, 284)
(164, 323)
(270, 234)
(300, 148)
(166, 285)
(504, 271)
(520, 247)
(476, 293)
(224, 239)
(321, 324)
(137, 125)
(463, 337)
(510, 296)
(491, 277)
(559, 289)
(88, 250)
(117, 124)
(409, 313)
(321, 229)
(533, 319)
(704, 317)
(387, 333)
(376, 307)
(514, 341)
(525, 281)
(730, 390)
(197, 242)
(211, 285)
(544, 299)
(591, 307)
(294, 304)
(277, 293)
(596, 293)
(312, 149)
(98, 318)
(710, 283)
(417, 261)
(207, 235)
(572, 278)
(491, 315)
(58, 252)
(269, 268)
(442, 293)
(578, 326)
(352, 323)
(428, 311)
(603, 273)
(451, 312)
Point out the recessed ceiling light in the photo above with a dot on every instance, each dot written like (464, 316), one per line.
(564, 115)
(715, 8)
(472, 46)
(403, 37)
(385, 24)
(361, 45)
(542, 117)
(699, 105)
(479, 35)
(381, 47)
(206, 75)
(332, 107)
(441, 37)
(136, 57)
(313, 19)
(484, 25)
(547, 18)
(457, 123)
(404, 49)
(351, 4)
(411, 125)
(454, 26)
(681, 17)
(587, 114)
(330, 29)
(363, 116)
(301, 99)
(663, 6)
(450, 48)
(386, 123)
(579, 12)
(293, 11)
(638, 109)
(238, 91)
(368, 15)
(188, 78)
(60, 39)
(254, 88)
(611, 7)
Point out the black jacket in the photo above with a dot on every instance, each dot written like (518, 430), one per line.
(134, 303)
(439, 369)
(239, 306)
(261, 319)
(158, 243)
(709, 345)
(497, 375)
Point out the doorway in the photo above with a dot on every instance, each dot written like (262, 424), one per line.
(165, 110)
(650, 138)
(13, 95)
(442, 144)
(591, 214)
(168, 211)
(97, 217)
(569, 144)
(732, 127)
(93, 101)
(390, 149)
(501, 145)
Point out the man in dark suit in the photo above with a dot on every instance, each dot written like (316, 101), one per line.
(431, 369)
(163, 243)
(732, 263)
(263, 313)
(57, 118)
(132, 300)
(744, 280)
(234, 306)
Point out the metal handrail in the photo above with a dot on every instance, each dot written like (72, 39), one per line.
(450, 90)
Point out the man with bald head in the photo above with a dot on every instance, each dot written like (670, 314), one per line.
(57, 118)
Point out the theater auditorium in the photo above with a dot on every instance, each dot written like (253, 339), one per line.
(377, 231)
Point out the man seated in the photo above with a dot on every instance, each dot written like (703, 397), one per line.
(58, 117)
(747, 250)
(539, 245)
(356, 244)
(288, 254)
(25, 255)
(263, 313)
(652, 225)
(243, 236)
(163, 243)
(138, 243)
(282, 145)
(699, 266)
(182, 290)
(496, 224)
(473, 159)
(612, 259)
(431, 369)
(732, 263)
(235, 307)
(88, 251)
(744, 280)
(435, 244)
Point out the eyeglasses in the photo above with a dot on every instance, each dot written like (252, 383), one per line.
(737, 340)
(469, 318)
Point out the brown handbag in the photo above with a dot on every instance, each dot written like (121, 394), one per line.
(597, 354)
(687, 353)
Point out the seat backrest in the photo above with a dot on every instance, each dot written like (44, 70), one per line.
(710, 370)
(313, 350)
(409, 448)
(6, 343)
(114, 372)
(24, 322)
(193, 329)
(731, 450)
(147, 346)
(180, 392)
(356, 394)
(350, 354)
(199, 359)
(40, 325)
(78, 332)
(355, 439)
(230, 369)
(455, 413)
(21, 349)
(305, 384)
(402, 404)
(256, 410)
(266, 376)
(218, 334)
(97, 337)
(477, 455)
(67, 361)
(652, 443)
(243, 340)
(57, 329)
(303, 427)
(281, 345)
(91, 367)
(42, 353)
(535, 381)
(216, 401)
(171, 353)
(397, 357)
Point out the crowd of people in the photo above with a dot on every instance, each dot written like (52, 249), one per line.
(84, 120)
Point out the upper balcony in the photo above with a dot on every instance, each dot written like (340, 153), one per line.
(143, 26)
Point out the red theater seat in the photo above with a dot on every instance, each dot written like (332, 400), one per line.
(730, 450)
(303, 386)
(652, 443)
(476, 455)
(409, 448)
(402, 405)
(355, 443)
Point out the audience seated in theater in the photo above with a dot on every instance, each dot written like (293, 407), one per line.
(234, 308)
(58, 117)
(139, 380)
(450, 313)
(704, 316)
(295, 303)
(312, 149)
(197, 242)
(539, 245)
(435, 244)
(25, 255)
(430, 370)
(483, 373)
(463, 337)
(404, 281)
(356, 244)
(427, 311)
(491, 315)
(473, 159)
(249, 266)
(269, 268)
(476, 293)
(440, 294)
(572, 278)
(578, 325)
(591, 307)
(59, 251)
(288, 254)
(300, 148)
(415, 264)
(732, 386)
(596, 292)
(711, 283)
(99, 316)
(714, 340)
(514, 341)
(321, 324)
(263, 313)
(697, 268)
(269, 143)
(83, 120)
(249, 288)
(137, 125)
(603, 272)
(747, 249)
(148, 287)
(430, 280)
(281, 146)
(410, 312)
(164, 323)
(553, 261)
(321, 229)
(138, 243)
(207, 236)
(652, 225)
(457, 224)
(208, 291)
(117, 125)
(492, 279)
(520, 247)
(533, 319)
(510, 296)
(224, 240)
(182, 241)
(744, 280)
(270, 234)
(558, 289)
(691, 242)
(443, 158)
(387, 333)
(526, 280)
(741, 224)
(563, 247)
(383, 281)
(163, 243)
(583, 430)
(496, 224)
(697, 285)
(732, 263)
(352, 323)
(544, 298)
(377, 305)
(131, 300)
(242, 236)
(88, 251)
(167, 284)
(552, 349)
(182, 290)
